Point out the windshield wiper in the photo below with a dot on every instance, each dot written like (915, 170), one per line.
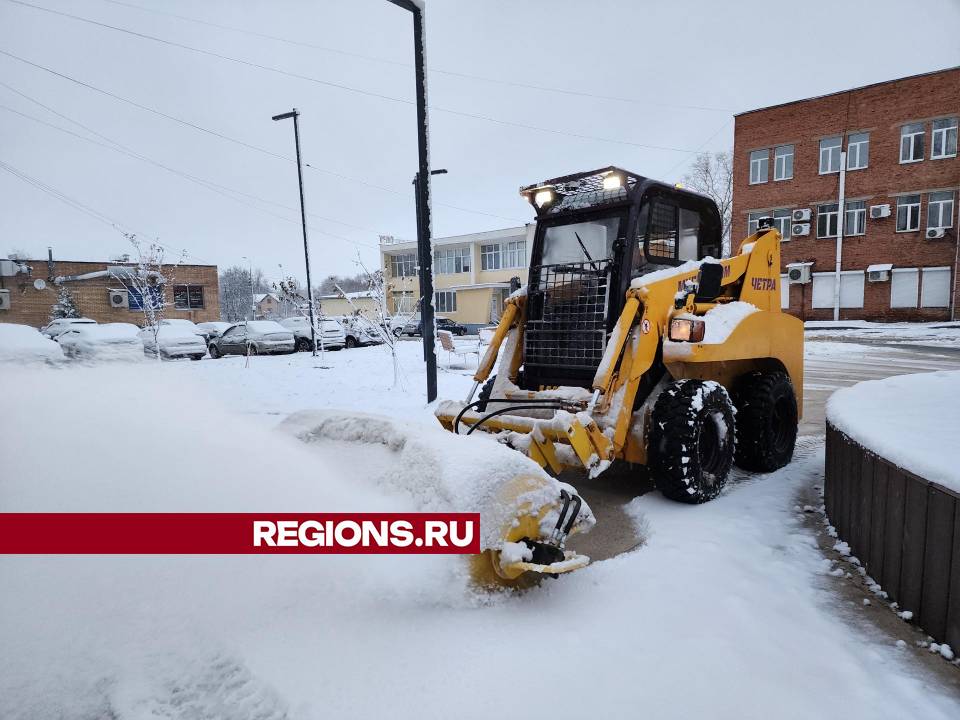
(584, 248)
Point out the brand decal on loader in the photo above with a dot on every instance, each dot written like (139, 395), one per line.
(759, 283)
(645, 326)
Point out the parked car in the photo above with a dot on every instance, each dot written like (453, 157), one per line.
(333, 336)
(26, 344)
(58, 327)
(358, 331)
(211, 330)
(182, 323)
(415, 327)
(259, 337)
(110, 341)
(173, 341)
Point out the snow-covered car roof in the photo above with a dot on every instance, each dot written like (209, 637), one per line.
(266, 326)
(182, 322)
(215, 324)
(22, 343)
(73, 321)
(171, 331)
(105, 332)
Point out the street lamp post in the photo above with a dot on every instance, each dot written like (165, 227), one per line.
(295, 114)
(253, 297)
(422, 186)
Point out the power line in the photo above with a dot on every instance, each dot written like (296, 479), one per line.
(399, 63)
(348, 88)
(237, 141)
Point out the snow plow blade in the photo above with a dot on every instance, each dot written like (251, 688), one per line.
(525, 514)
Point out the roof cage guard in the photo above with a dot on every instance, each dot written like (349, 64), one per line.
(581, 190)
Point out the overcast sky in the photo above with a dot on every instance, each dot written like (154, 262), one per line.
(681, 70)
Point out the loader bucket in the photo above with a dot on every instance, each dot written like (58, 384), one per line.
(525, 514)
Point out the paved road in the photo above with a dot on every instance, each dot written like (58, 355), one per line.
(829, 366)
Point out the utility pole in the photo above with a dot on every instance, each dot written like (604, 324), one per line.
(422, 187)
(295, 114)
(253, 297)
(841, 219)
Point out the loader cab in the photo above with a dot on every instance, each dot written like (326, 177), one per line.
(597, 231)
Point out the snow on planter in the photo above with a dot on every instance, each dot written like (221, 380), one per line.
(911, 420)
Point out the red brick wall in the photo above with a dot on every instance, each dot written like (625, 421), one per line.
(880, 110)
(29, 306)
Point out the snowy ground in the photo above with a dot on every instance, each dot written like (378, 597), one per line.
(935, 334)
(725, 611)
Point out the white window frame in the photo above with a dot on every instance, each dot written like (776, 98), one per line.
(451, 261)
(753, 221)
(898, 277)
(399, 263)
(851, 276)
(757, 164)
(780, 155)
(859, 149)
(827, 213)
(944, 206)
(829, 150)
(912, 136)
(783, 222)
(859, 217)
(909, 212)
(784, 292)
(445, 301)
(515, 254)
(490, 257)
(925, 300)
(949, 129)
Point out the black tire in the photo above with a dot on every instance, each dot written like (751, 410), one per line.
(303, 345)
(196, 357)
(766, 421)
(252, 349)
(485, 391)
(215, 352)
(351, 342)
(691, 442)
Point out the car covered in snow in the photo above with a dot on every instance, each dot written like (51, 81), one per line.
(334, 337)
(358, 331)
(26, 344)
(183, 324)
(173, 341)
(212, 329)
(110, 341)
(256, 337)
(61, 325)
(415, 327)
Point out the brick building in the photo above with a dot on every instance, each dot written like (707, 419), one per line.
(899, 246)
(100, 292)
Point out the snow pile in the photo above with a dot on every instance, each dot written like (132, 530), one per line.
(440, 471)
(911, 420)
(688, 268)
(107, 332)
(722, 320)
(22, 343)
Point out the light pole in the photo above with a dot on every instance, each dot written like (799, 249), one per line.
(253, 298)
(295, 114)
(425, 277)
(424, 231)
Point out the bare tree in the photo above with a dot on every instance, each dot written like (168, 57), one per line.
(346, 283)
(149, 280)
(712, 175)
(236, 289)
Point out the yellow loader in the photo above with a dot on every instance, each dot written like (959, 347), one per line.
(631, 343)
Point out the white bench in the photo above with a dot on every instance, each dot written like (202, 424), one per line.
(462, 348)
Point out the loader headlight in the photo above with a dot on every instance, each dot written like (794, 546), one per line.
(687, 330)
(612, 181)
(543, 197)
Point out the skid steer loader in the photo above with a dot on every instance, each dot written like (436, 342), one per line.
(631, 343)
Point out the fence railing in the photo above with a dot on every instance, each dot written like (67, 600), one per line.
(903, 528)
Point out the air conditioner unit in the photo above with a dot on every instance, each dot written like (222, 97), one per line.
(935, 233)
(798, 274)
(800, 215)
(879, 211)
(799, 229)
(4, 299)
(119, 299)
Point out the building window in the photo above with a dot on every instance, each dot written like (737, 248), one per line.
(783, 162)
(452, 260)
(855, 218)
(858, 151)
(489, 257)
(828, 217)
(944, 141)
(940, 209)
(759, 166)
(935, 287)
(830, 155)
(782, 221)
(911, 143)
(153, 300)
(516, 251)
(851, 289)
(403, 265)
(188, 297)
(753, 221)
(784, 292)
(908, 213)
(904, 284)
(445, 301)
(404, 303)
